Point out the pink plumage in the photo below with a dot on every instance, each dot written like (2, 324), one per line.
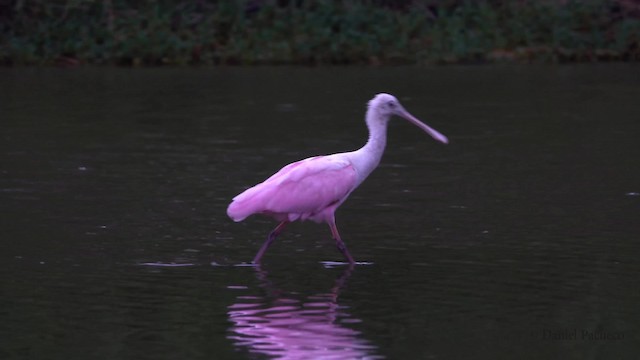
(314, 188)
(307, 189)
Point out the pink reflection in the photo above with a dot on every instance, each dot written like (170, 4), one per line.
(288, 328)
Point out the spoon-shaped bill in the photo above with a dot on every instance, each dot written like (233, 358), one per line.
(429, 130)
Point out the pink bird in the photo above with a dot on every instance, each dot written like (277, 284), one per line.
(314, 188)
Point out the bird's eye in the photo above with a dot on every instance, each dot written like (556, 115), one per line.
(391, 104)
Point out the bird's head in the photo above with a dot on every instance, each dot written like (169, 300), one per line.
(385, 105)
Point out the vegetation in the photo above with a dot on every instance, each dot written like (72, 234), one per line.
(190, 32)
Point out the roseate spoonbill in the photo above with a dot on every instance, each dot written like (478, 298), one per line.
(314, 188)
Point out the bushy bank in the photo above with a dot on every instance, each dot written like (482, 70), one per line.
(71, 32)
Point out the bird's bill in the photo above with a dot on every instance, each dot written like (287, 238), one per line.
(429, 130)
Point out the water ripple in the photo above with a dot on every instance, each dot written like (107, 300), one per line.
(306, 328)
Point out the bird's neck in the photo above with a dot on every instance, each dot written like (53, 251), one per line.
(367, 158)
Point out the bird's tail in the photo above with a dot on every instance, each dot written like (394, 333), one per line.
(246, 204)
(238, 211)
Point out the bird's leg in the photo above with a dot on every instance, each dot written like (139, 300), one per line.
(339, 243)
(272, 236)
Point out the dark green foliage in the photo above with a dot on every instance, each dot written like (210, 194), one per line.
(70, 32)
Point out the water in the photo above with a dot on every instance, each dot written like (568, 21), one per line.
(519, 239)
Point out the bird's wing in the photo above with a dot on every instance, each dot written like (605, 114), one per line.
(299, 190)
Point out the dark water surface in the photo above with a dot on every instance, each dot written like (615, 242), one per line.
(519, 239)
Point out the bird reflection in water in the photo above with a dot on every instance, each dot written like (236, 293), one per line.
(284, 327)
